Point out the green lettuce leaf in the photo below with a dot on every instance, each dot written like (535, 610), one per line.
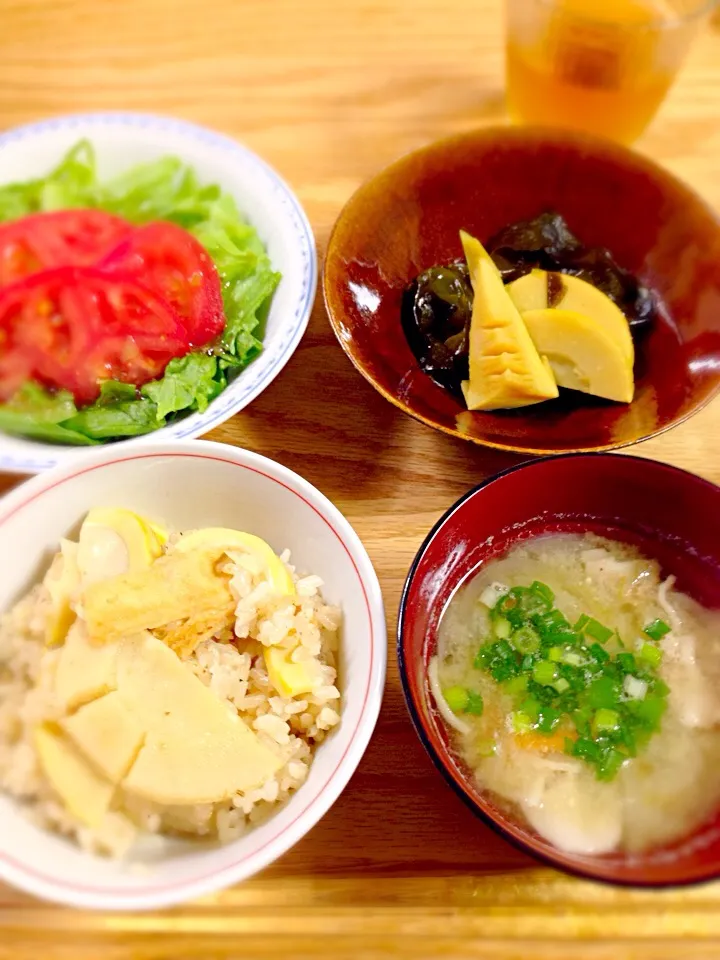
(165, 189)
(115, 420)
(35, 413)
(189, 384)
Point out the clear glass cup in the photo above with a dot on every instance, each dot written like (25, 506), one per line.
(599, 65)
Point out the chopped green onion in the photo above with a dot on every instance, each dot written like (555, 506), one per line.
(506, 604)
(586, 749)
(521, 722)
(657, 629)
(499, 659)
(475, 705)
(628, 738)
(581, 718)
(651, 654)
(516, 685)
(634, 687)
(595, 629)
(556, 673)
(598, 654)
(606, 720)
(487, 748)
(531, 708)
(526, 640)
(544, 672)
(648, 711)
(551, 623)
(543, 590)
(626, 661)
(531, 603)
(602, 692)
(610, 764)
(457, 698)
(548, 719)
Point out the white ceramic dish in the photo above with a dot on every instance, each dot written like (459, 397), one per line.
(124, 139)
(188, 485)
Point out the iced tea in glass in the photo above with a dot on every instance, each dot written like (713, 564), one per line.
(598, 65)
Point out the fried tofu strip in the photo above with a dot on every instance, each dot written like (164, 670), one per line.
(177, 587)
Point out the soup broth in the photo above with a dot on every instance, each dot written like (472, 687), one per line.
(596, 750)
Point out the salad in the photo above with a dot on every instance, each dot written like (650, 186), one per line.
(124, 305)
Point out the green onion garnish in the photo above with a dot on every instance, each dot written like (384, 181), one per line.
(651, 654)
(657, 629)
(526, 640)
(578, 679)
(531, 708)
(521, 722)
(544, 672)
(597, 631)
(543, 590)
(606, 720)
(475, 705)
(610, 763)
(516, 685)
(457, 698)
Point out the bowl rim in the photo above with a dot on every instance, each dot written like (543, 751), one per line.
(713, 873)
(294, 221)
(529, 133)
(93, 896)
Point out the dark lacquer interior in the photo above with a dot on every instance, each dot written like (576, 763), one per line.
(408, 218)
(669, 514)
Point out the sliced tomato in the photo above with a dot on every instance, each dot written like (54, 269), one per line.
(73, 327)
(172, 262)
(58, 238)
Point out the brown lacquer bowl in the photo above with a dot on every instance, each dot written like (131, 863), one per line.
(407, 219)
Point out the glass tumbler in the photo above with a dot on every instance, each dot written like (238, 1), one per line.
(599, 65)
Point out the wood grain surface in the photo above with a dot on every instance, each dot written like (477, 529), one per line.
(329, 91)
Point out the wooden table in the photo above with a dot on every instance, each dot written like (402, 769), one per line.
(329, 91)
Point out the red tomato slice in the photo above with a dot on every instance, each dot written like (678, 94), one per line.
(172, 262)
(73, 327)
(55, 239)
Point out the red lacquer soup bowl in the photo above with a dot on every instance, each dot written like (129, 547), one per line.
(408, 218)
(668, 514)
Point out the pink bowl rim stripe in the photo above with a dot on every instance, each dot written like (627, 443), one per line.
(132, 892)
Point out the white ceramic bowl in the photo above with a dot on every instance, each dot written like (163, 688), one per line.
(124, 139)
(188, 485)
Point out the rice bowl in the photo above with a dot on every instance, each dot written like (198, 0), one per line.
(248, 492)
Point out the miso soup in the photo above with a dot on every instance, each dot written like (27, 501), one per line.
(583, 692)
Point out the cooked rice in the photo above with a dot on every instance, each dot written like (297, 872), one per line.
(230, 664)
